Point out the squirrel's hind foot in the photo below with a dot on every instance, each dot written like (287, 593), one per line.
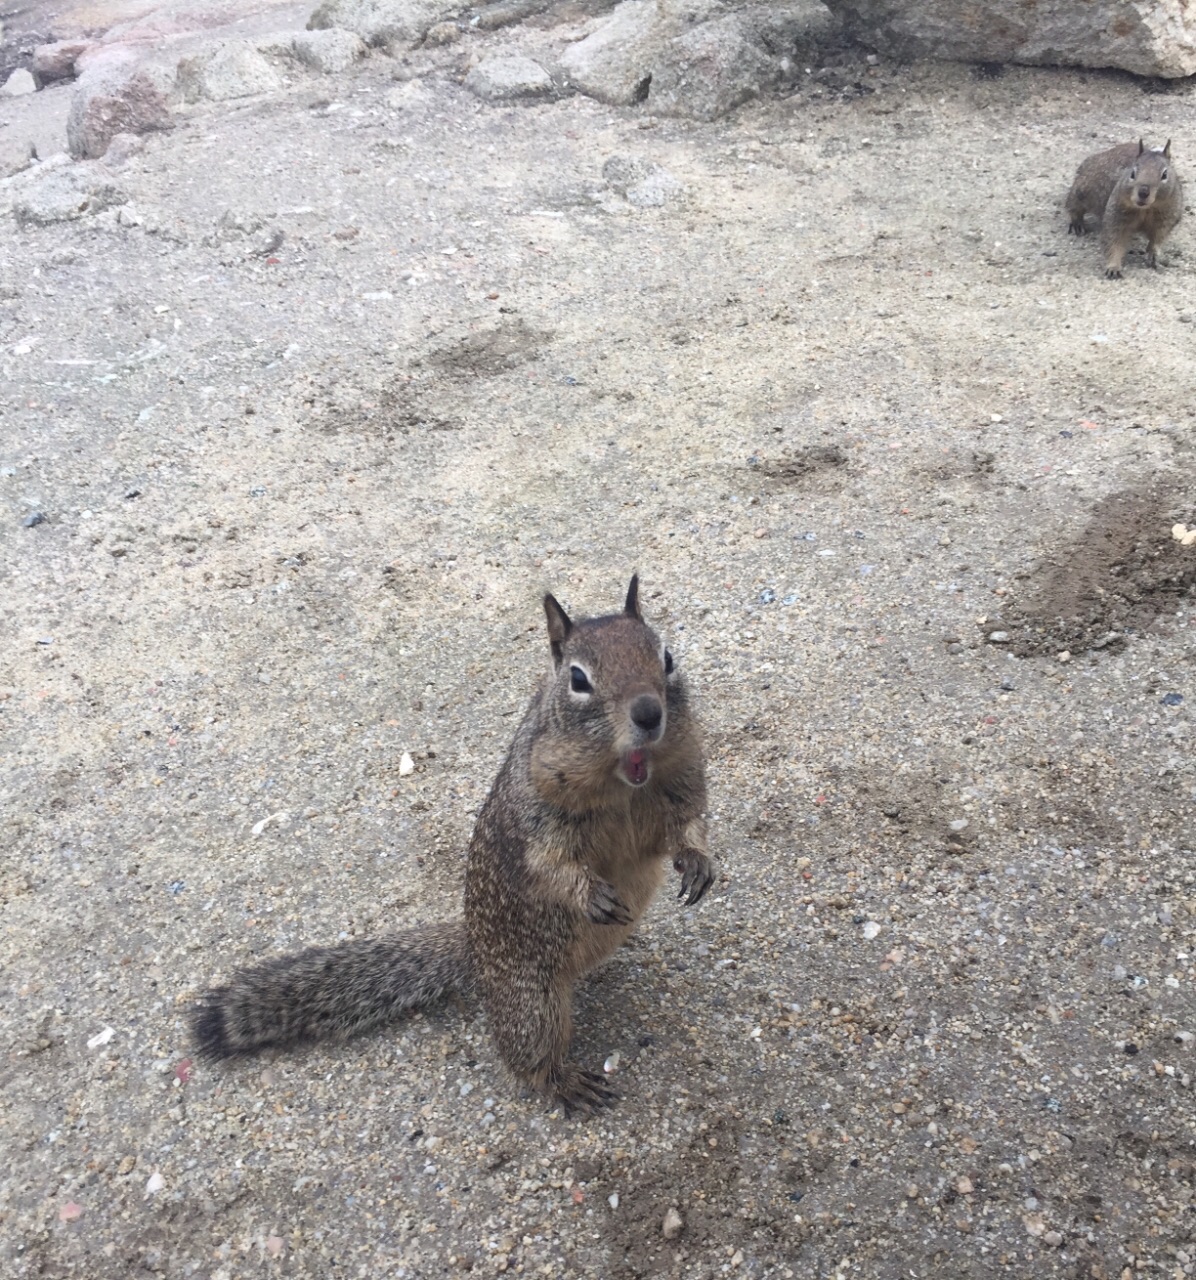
(580, 1090)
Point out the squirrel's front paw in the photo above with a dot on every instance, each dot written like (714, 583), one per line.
(604, 906)
(697, 874)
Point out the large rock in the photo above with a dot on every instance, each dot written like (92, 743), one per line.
(19, 83)
(233, 69)
(57, 61)
(615, 62)
(501, 79)
(696, 58)
(328, 51)
(115, 95)
(382, 22)
(1148, 37)
(709, 71)
(65, 193)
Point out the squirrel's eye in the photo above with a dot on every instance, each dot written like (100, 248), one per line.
(1133, 175)
(1164, 177)
(668, 663)
(579, 682)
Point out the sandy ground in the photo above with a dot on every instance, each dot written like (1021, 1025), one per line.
(882, 443)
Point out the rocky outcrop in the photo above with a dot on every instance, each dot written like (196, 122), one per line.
(383, 22)
(1147, 37)
(503, 79)
(232, 69)
(694, 58)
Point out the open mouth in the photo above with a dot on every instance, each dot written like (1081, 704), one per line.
(633, 765)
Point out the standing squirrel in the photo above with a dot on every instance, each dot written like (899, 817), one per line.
(604, 781)
(1131, 190)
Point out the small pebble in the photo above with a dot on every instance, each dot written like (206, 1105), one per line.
(958, 824)
(671, 1227)
(964, 1186)
(34, 518)
(871, 929)
(611, 1065)
(406, 765)
(998, 637)
(613, 1200)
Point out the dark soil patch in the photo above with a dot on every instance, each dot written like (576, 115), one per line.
(1118, 577)
(491, 352)
(801, 466)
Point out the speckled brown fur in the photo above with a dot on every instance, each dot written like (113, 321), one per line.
(1132, 191)
(603, 784)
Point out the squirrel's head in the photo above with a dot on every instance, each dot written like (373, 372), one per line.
(1149, 175)
(609, 694)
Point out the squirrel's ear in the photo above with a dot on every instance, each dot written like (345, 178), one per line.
(632, 605)
(1167, 150)
(559, 627)
(1141, 146)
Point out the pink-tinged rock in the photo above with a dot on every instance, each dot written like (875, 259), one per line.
(57, 61)
(118, 94)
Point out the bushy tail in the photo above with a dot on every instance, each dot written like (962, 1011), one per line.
(331, 993)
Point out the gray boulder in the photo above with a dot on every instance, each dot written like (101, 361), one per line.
(695, 58)
(233, 69)
(65, 193)
(615, 62)
(1147, 37)
(328, 51)
(501, 79)
(382, 22)
(19, 83)
(710, 70)
(118, 95)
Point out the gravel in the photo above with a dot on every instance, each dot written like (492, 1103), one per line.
(303, 500)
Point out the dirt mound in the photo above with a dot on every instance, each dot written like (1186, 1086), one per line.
(1116, 578)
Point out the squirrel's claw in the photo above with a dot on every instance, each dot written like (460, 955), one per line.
(579, 1090)
(604, 906)
(697, 874)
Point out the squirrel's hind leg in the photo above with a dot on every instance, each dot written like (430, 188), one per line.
(533, 1035)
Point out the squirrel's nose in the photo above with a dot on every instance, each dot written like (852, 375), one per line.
(647, 713)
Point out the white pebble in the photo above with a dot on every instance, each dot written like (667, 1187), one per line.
(958, 824)
(406, 765)
(101, 1038)
(671, 1227)
(613, 1200)
(611, 1065)
(871, 929)
(1179, 532)
(154, 1183)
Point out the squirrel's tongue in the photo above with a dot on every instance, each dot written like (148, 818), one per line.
(635, 767)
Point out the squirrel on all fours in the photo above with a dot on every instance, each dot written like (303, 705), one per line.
(1133, 191)
(603, 784)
